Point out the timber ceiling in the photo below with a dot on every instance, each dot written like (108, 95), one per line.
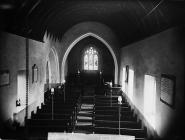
(131, 20)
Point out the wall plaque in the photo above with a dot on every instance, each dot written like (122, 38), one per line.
(4, 77)
(34, 73)
(168, 89)
(126, 73)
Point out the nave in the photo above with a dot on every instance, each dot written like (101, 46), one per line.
(57, 56)
(75, 113)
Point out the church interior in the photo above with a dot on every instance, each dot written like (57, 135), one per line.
(92, 69)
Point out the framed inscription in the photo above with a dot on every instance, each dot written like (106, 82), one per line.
(34, 73)
(4, 77)
(167, 89)
(126, 73)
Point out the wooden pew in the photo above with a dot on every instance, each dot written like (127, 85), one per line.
(109, 108)
(56, 111)
(67, 103)
(138, 133)
(47, 122)
(113, 112)
(115, 124)
(115, 117)
(111, 104)
(46, 116)
(48, 125)
(108, 100)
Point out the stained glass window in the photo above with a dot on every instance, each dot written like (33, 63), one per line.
(86, 61)
(95, 62)
(91, 59)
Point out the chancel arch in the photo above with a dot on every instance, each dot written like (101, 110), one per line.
(83, 37)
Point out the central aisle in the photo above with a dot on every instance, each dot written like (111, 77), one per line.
(84, 122)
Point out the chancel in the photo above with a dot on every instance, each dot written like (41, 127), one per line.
(92, 69)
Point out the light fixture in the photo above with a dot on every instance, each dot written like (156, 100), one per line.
(52, 91)
(100, 72)
(111, 84)
(78, 71)
(119, 100)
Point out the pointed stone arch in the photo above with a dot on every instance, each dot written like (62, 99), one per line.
(53, 60)
(80, 38)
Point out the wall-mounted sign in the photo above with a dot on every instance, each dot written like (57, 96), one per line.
(168, 89)
(126, 73)
(34, 73)
(4, 78)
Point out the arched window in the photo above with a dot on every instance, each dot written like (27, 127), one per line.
(91, 59)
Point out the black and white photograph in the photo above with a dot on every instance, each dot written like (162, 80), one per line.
(92, 69)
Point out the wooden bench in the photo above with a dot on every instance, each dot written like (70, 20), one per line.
(58, 111)
(138, 133)
(114, 112)
(109, 108)
(47, 125)
(111, 104)
(114, 117)
(115, 124)
(49, 116)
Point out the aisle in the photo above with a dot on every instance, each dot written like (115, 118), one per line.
(84, 122)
